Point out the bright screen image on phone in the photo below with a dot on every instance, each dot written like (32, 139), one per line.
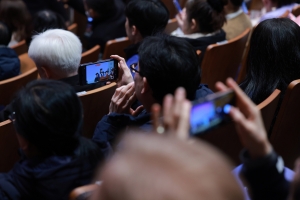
(209, 114)
(100, 72)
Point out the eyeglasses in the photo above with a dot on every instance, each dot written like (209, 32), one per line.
(134, 68)
(12, 116)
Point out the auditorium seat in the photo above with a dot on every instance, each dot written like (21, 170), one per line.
(116, 47)
(92, 55)
(226, 138)
(95, 105)
(171, 26)
(26, 63)
(8, 146)
(285, 136)
(83, 192)
(296, 10)
(9, 87)
(221, 61)
(73, 28)
(20, 48)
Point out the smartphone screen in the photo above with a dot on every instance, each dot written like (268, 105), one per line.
(177, 5)
(98, 72)
(211, 112)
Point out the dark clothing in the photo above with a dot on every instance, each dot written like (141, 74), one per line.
(203, 42)
(9, 63)
(109, 127)
(110, 28)
(131, 50)
(50, 178)
(35, 6)
(77, 5)
(73, 81)
(265, 177)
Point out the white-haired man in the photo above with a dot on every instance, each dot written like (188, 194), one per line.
(57, 55)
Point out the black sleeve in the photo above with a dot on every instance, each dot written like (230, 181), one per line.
(265, 177)
(6, 112)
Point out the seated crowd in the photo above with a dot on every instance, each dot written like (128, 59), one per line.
(142, 148)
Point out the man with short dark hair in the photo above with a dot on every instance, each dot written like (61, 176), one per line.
(108, 21)
(165, 64)
(143, 18)
(9, 61)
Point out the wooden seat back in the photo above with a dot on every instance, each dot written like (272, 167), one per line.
(26, 63)
(9, 87)
(20, 48)
(95, 105)
(116, 47)
(171, 26)
(296, 10)
(73, 28)
(226, 138)
(9, 146)
(223, 60)
(285, 136)
(83, 192)
(170, 5)
(92, 55)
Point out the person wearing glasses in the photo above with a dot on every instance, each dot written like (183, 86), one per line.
(47, 116)
(165, 63)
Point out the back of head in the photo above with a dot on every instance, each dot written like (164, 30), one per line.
(209, 14)
(155, 167)
(49, 115)
(59, 50)
(104, 8)
(236, 3)
(15, 14)
(168, 63)
(46, 19)
(273, 59)
(149, 16)
(5, 34)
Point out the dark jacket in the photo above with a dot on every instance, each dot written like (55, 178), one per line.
(203, 42)
(265, 177)
(48, 178)
(109, 127)
(9, 63)
(108, 29)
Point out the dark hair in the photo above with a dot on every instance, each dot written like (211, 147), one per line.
(5, 34)
(49, 115)
(273, 59)
(47, 19)
(168, 63)
(209, 14)
(104, 8)
(15, 15)
(236, 3)
(149, 16)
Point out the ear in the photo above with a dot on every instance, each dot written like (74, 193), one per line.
(134, 30)
(24, 144)
(194, 25)
(146, 87)
(43, 72)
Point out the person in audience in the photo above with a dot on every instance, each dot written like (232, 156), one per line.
(9, 61)
(108, 21)
(273, 58)
(236, 20)
(276, 8)
(46, 19)
(97, 78)
(14, 13)
(150, 166)
(161, 69)
(201, 22)
(57, 55)
(47, 116)
(143, 18)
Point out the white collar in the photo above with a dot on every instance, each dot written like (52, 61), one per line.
(198, 35)
(235, 14)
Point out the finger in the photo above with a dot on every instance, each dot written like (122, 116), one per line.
(184, 121)
(108, 82)
(118, 58)
(137, 111)
(167, 111)
(221, 87)
(155, 113)
(179, 98)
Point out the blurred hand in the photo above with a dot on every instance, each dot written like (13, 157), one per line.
(122, 100)
(176, 115)
(295, 185)
(124, 76)
(248, 120)
(180, 16)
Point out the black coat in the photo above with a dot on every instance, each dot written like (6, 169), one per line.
(9, 63)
